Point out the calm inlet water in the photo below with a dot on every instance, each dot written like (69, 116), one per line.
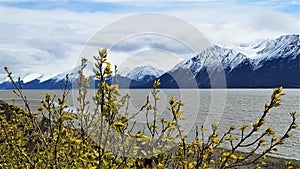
(225, 107)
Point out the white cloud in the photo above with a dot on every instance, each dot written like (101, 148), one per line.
(45, 41)
(239, 23)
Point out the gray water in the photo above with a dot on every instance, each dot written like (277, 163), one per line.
(223, 106)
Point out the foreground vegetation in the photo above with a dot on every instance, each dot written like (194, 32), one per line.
(105, 137)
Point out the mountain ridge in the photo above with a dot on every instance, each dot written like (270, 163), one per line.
(278, 63)
(275, 62)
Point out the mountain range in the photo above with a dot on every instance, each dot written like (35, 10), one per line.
(263, 64)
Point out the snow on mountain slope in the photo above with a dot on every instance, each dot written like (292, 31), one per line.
(251, 49)
(28, 77)
(140, 73)
(31, 77)
(269, 48)
(45, 77)
(282, 47)
(73, 74)
(137, 74)
(231, 56)
(212, 58)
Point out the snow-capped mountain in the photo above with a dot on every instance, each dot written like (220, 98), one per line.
(210, 58)
(272, 63)
(283, 47)
(265, 63)
(250, 49)
(126, 79)
(73, 73)
(50, 81)
(144, 73)
(137, 77)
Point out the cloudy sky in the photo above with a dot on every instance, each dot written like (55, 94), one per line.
(49, 37)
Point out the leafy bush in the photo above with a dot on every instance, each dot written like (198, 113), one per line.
(53, 137)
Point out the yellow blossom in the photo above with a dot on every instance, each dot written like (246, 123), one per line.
(160, 166)
(215, 140)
